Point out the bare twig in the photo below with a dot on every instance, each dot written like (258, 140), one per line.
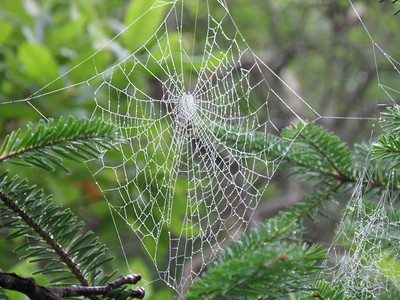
(29, 287)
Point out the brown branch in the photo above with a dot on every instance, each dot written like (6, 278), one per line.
(34, 291)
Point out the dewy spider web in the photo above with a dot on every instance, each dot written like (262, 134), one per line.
(366, 249)
(186, 102)
(178, 178)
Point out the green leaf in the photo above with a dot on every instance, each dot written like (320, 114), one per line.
(142, 19)
(6, 30)
(16, 9)
(63, 34)
(37, 62)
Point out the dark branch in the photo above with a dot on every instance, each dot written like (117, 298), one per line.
(30, 288)
(27, 286)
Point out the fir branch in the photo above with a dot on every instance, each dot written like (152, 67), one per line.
(385, 153)
(318, 155)
(390, 119)
(274, 270)
(53, 236)
(324, 291)
(261, 264)
(34, 291)
(332, 156)
(387, 148)
(71, 139)
(392, 2)
(315, 153)
(306, 146)
(284, 224)
(46, 236)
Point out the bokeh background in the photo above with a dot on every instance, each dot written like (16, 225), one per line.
(318, 47)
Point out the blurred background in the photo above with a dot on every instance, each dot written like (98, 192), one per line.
(318, 47)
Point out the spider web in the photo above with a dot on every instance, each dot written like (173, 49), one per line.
(184, 174)
(365, 252)
(366, 248)
(187, 100)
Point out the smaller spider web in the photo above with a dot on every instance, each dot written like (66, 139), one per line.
(365, 250)
(364, 254)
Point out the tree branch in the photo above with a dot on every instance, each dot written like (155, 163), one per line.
(48, 238)
(34, 291)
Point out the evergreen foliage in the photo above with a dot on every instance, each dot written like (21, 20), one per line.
(52, 235)
(48, 143)
(272, 262)
(392, 2)
(49, 235)
(388, 146)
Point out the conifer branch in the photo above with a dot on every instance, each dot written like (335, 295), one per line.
(47, 237)
(261, 264)
(324, 291)
(340, 173)
(392, 2)
(45, 145)
(317, 154)
(53, 236)
(34, 291)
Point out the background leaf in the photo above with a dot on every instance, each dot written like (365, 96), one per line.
(146, 16)
(37, 62)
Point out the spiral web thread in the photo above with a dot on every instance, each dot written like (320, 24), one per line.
(186, 103)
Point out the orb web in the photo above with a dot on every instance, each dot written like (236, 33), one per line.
(184, 176)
